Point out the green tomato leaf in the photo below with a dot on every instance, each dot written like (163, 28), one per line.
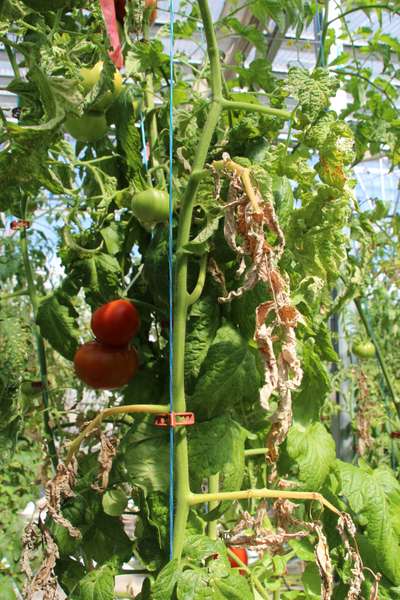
(366, 498)
(228, 374)
(97, 585)
(114, 502)
(217, 446)
(167, 580)
(202, 328)
(100, 276)
(57, 319)
(314, 451)
(145, 455)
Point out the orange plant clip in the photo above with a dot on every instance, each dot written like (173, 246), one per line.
(171, 419)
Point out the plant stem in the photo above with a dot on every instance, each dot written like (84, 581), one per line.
(14, 295)
(181, 303)
(261, 493)
(153, 129)
(213, 488)
(12, 59)
(151, 409)
(41, 351)
(257, 583)
(255, 451)
(182, 299)
(379, 354)
(249, 107)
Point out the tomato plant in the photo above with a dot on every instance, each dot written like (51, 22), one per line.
(103, 367)
(115, 323)
(266, 245)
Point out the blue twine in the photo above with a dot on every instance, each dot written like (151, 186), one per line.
(171, 283)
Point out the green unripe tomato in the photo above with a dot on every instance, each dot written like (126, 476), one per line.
(90, 127)
(363, 349)
(151, 206)
(90, 77)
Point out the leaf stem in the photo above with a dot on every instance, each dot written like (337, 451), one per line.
(151, 409)
(255, 451)
(261, 493)
(261, 108)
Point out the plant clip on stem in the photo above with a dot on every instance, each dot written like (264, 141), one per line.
(21, 224)
(174, 419)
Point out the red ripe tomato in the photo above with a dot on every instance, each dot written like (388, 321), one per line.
(115, 323)
(105, 368)
(241, 553)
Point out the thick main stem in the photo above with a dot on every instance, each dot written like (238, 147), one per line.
(182, 299)
(41, 351)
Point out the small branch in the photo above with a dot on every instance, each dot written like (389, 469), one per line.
(257, 583)
(249, 107)
(12, 59)
(255, 452)
(261, 493)
(379, 354)
(151, 409)
(195, 295)
(14, 295)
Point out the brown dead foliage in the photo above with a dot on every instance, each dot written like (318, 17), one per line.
(249, 217)
(108, 450)
(270, 530)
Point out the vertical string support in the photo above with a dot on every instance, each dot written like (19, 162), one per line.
(171, 274)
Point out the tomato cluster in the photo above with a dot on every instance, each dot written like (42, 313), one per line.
(108, 362)
(92, 125)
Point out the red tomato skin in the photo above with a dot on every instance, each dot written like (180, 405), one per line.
(241, 553)
(103, 367)
(115, 323)
(120, 10)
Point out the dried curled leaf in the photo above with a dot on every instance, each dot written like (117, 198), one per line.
(324, 563)
(58, 489)
(108, 450)
(44, 580)
(347, 531)
(248, 215)
(36, 535)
